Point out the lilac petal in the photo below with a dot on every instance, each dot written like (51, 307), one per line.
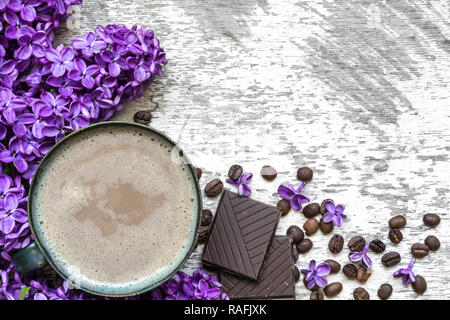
(405, 280)
(246, 191)
(88, 82)
(337, 220)
(7, 225)
(400, 273)
(412, 277)
(20, 164)
(114, 69)
(312, 265)
(24, 52)
(58, 70)
(28, 13)
(295, 205)
(355, 257)
(286, 191)
(311, 283)
(323, 269)
(367, 261)
(305, 271)
(340, 208)
(328, 217)
(20, 215)
(321, 281)
(330, 206)
(232, 181)
(246, 178)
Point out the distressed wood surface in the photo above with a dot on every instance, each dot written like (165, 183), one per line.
(358, 90)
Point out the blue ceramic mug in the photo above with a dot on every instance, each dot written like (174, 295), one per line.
(38, 254)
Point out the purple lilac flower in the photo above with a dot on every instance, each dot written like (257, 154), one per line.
(356, 257)
(10, 213)
(295, 196)
(89, 44)
(406, 274)
(15, 156)
(25, 8)
(334, 213)
(31, 44)
(316, 274)
(84, 73)
(242, 183)
(62, 58)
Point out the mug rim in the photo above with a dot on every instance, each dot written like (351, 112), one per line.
(197, 194)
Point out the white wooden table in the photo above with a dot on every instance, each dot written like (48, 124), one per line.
(358, 90)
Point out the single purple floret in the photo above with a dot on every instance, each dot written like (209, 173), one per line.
(316, 275)
(295, 196)
(334, 213)
(406, 274)
(242, 183)
(362, 256)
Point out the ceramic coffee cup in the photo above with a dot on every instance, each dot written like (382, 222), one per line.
(37, 254)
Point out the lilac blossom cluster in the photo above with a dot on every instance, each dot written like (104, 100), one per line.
(46, 93)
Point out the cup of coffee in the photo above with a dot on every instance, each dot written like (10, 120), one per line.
(114, 208)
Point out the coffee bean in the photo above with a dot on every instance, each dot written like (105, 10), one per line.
(385, 291)
(285, 206)
(311, 210)
(419, 250)
(203, 234)
(336, 243)
(390, 259)
(305, 283)
(420, 285)
(311, 226)
(296, 274)
(333, 289)
(304, 174)
(268, 173)
(431, 220)
(214, 188)
(397, 222)
(295, 233)
(334, 265)
(206, 217)
(326, 228)
(377, 246)
(350, 271)
(433, 243)
(295, 254)
(198, 173)
(356, 244)
(363, 274)
(323, 206)
(316, 295)
(235, 172)
(142, 117)
(361, 294)
(304, 246)
(395, 235)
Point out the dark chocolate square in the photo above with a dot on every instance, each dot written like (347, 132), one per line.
(276, 280)
(240, 235)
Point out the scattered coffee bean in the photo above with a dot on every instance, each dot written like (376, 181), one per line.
(333, 289)
(304, 174)
(350, 271)
(316, 295)
(326, 228)
(361, 294)
(431, 220)
(235, 172)
(356, 244)
(390, 259)
(206, 217)
(198, 173)
(385, 291)
(311, 226)
(295, 254)
(334, 265)
(296, 274)
(304, 246)
(311, 210)
(377, 246)
(363, 274)
(420, 285)
(142, 117)
(433, 243)
(336, 243)
(419, 250)
(395, 235)
(285, 206)
(214, 188)
(323, 206)
(268, 173)
(295, 233)
(305, 283)
(203, 234)
(397, 222)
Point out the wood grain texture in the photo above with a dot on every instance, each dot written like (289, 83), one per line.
(358, 90)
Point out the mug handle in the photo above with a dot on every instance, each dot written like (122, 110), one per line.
(29, 258)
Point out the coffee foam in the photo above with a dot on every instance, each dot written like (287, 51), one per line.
(114, 210)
